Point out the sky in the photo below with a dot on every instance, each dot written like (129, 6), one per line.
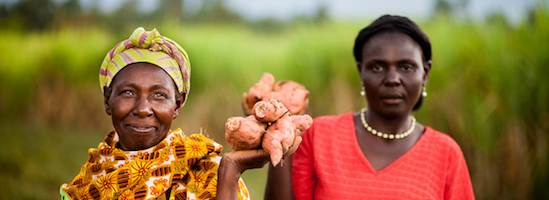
(514, 10)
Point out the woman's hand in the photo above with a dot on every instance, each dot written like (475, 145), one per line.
(234, 163)
(256, 158)
(246, 159)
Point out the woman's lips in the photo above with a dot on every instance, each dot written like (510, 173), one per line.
(141, 129)
(392, 100)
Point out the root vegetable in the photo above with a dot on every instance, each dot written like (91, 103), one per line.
(293, 95)
(260, 90)
(244, 133)
(269, 110)
(280, 134)
(302, 122)
(275, 117)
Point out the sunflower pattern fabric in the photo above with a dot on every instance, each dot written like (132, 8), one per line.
(179, 167)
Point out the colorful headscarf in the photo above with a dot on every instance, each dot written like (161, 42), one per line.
(149, 47)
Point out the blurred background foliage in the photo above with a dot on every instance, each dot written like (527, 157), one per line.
(488, 88)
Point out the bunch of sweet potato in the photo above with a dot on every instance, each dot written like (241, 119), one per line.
(270, 124)
(293, 95)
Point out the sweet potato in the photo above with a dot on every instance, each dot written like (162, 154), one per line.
(293, 95)
(249, 133)
(280, 134)
(260, 90)
(269, 110)
(302, 122)
(244, 133)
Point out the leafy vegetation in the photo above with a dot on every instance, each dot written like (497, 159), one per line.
(488, 90)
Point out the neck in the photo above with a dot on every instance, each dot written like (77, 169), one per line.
(385, 124)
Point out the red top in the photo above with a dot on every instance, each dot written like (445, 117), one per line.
(329, 164)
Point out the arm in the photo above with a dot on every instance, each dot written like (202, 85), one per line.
(458, 181)
(303, 177)
(235, 163)
(279, 182)
(232, 165)
(279, 179)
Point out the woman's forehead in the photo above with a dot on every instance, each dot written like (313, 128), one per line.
(394, 45)
(143, 74)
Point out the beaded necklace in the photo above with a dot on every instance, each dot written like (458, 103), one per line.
(386, 135)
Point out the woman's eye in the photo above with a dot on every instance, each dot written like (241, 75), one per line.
(126, 92)
(407, 67)
(377, 68)
(157, 95)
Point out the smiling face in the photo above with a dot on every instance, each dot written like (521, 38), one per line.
(392, 72)
(142, 101)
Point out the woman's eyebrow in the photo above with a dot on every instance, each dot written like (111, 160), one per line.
(406, 60)
(158, 86)
(376, 60)
(127, 83)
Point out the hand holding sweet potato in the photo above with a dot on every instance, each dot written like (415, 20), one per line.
(270, 125)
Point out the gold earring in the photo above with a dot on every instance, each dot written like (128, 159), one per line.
(424, 93)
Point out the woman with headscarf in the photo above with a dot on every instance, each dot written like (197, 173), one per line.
(145, 82)
(379, 152)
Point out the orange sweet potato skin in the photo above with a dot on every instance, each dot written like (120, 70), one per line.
(278, 112)
(302, 122)
(260, 90)
(292, 94)
(244, 133)
(269, 110)
(280, 134)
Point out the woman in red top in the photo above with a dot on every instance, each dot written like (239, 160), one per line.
(380, 152)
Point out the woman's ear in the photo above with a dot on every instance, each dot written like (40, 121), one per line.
(359, 66)
(106, 96)
(427, 69)
(179, 99)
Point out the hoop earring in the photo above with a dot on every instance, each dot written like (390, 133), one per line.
(424, 92)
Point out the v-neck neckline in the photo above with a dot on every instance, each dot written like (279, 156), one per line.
(395, 163)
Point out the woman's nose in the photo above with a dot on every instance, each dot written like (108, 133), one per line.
(143, 108)
(392, 77)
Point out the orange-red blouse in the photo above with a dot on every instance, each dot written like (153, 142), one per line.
(330, 164)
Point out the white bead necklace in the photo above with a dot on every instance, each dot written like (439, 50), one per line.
(386, 135)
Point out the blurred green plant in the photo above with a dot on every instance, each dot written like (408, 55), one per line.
(487, 90)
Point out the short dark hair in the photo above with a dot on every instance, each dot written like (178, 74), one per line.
(392, 23)
(388, 23)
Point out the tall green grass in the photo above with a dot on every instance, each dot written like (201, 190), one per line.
(488, 90)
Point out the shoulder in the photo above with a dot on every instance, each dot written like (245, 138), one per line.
(442, 143)
(329, 123)
(324, 127)
(443, 140)
(328, 120)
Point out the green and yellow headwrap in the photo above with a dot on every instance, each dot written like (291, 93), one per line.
(149, 47)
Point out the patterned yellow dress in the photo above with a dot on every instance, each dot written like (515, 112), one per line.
(179, 167)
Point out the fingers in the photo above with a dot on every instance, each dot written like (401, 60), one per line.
(285, 146)
(298, 132)
(294, 146)
(247, 159)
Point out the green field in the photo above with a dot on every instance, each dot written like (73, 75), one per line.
(488, 89)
